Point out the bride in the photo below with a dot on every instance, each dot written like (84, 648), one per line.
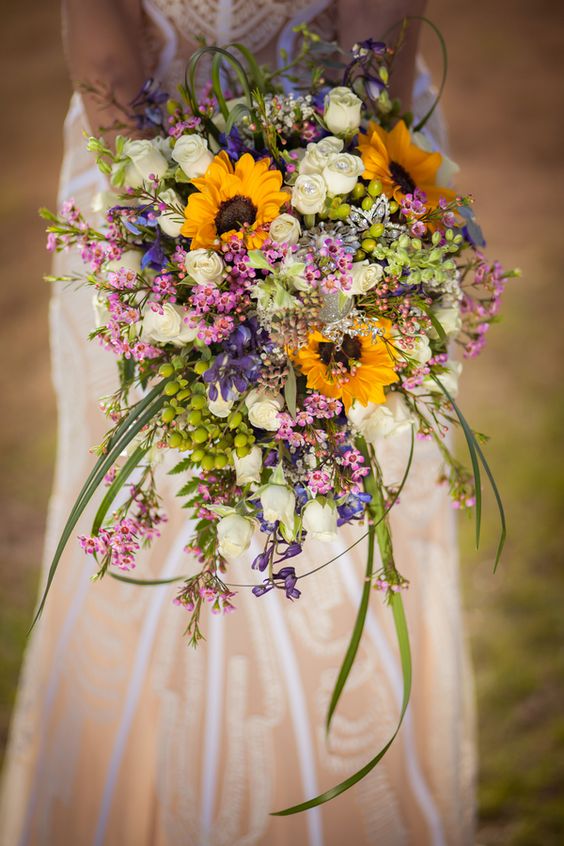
(122, 734)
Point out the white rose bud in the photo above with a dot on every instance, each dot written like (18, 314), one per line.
(309, 193)
(278, 503)
(365, 276)
(219, 406)
(234, 535)
(449, 379)
(263, 410)
(450, 320)
(248, 468)
(285, 229)
(168, 327)
(193, 155)
(320, 155)
(146, 161)
(342, 111)
(130, 259)
(417, 348)
(171, 220)
(205, 266)
(381, 421)
(342, 172)
(320, 521)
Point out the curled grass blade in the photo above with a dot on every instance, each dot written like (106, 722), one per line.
(402, 635)
(146, 582)
(116, 486)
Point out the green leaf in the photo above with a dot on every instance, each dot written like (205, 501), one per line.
(503, 530)
(138, 417)
(116, 486)
(290, 389)
(402, 635)
(258, 259)
(183, 465)
(236, 113)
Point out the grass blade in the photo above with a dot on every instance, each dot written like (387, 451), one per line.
(116, 486)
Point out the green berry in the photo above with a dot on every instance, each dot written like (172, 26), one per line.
(200, 367)
(197, 455)
(375, 188)
(359, 255)
(168, 414)
(376, 230)
(240, 440)
(220, 462)
(198, 401)
(393, 206)
(195, 418)
(175, 440)
(367, 203)
(368, 245)
(208, 462)
(166, 370)
(182, 395)
(235, 419)
(200, 435)
(243, 451)
(359, 191)
(343, 211)
(171, 388)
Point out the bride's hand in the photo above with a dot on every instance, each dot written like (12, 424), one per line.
(102, 40)
(359, 19)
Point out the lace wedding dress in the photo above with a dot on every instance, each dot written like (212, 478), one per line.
(124, 736)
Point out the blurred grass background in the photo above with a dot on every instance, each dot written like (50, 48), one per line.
(504, 102)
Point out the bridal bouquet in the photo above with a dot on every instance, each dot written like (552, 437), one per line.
(286, 279)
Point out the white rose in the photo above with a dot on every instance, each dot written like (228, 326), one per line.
(309, 193)
(146, 160)
(263, 410)
(365, 276)
(234, 535)
(320, 155)
(449, 379)
(101, 311)
(248, 468)
(285, 229)
(450, 320)
(320, 521)
(342, 172)
(130, 259)
(381, 421)
(168, 327)
(193, 155)
(205, 266)
(171, 221)
(342, 111)
(278, 503)
(417, 348)
(219, 406)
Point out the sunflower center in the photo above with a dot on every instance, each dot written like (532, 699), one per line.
(349, 350)
(402, 178)
(234, 213)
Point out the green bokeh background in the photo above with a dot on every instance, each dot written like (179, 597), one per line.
(504, 102)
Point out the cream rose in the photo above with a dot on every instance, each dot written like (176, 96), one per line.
(381, 421)
(319, 519)
(193, 155)
(342, 172)
(278, 503)
(416, 347)
(248, 468)
(342, 111)
(168, 327)
(130, 259)
(234, 535)
(449, 318)
(321, 154)
(309, 193)
(365, 275)
(449, 379)
(263, 410)
(171, 220)
(146, 161)
(285, 229)
(205, 266)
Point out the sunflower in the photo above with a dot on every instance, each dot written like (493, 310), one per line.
(233, 200)
(357, 369)
(401, 165)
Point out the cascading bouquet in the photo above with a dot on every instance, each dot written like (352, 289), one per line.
(283, 278)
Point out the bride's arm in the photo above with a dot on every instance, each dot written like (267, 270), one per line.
(359, 19)
(102, 40)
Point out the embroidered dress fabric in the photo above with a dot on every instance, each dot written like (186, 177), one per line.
(122, 735)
